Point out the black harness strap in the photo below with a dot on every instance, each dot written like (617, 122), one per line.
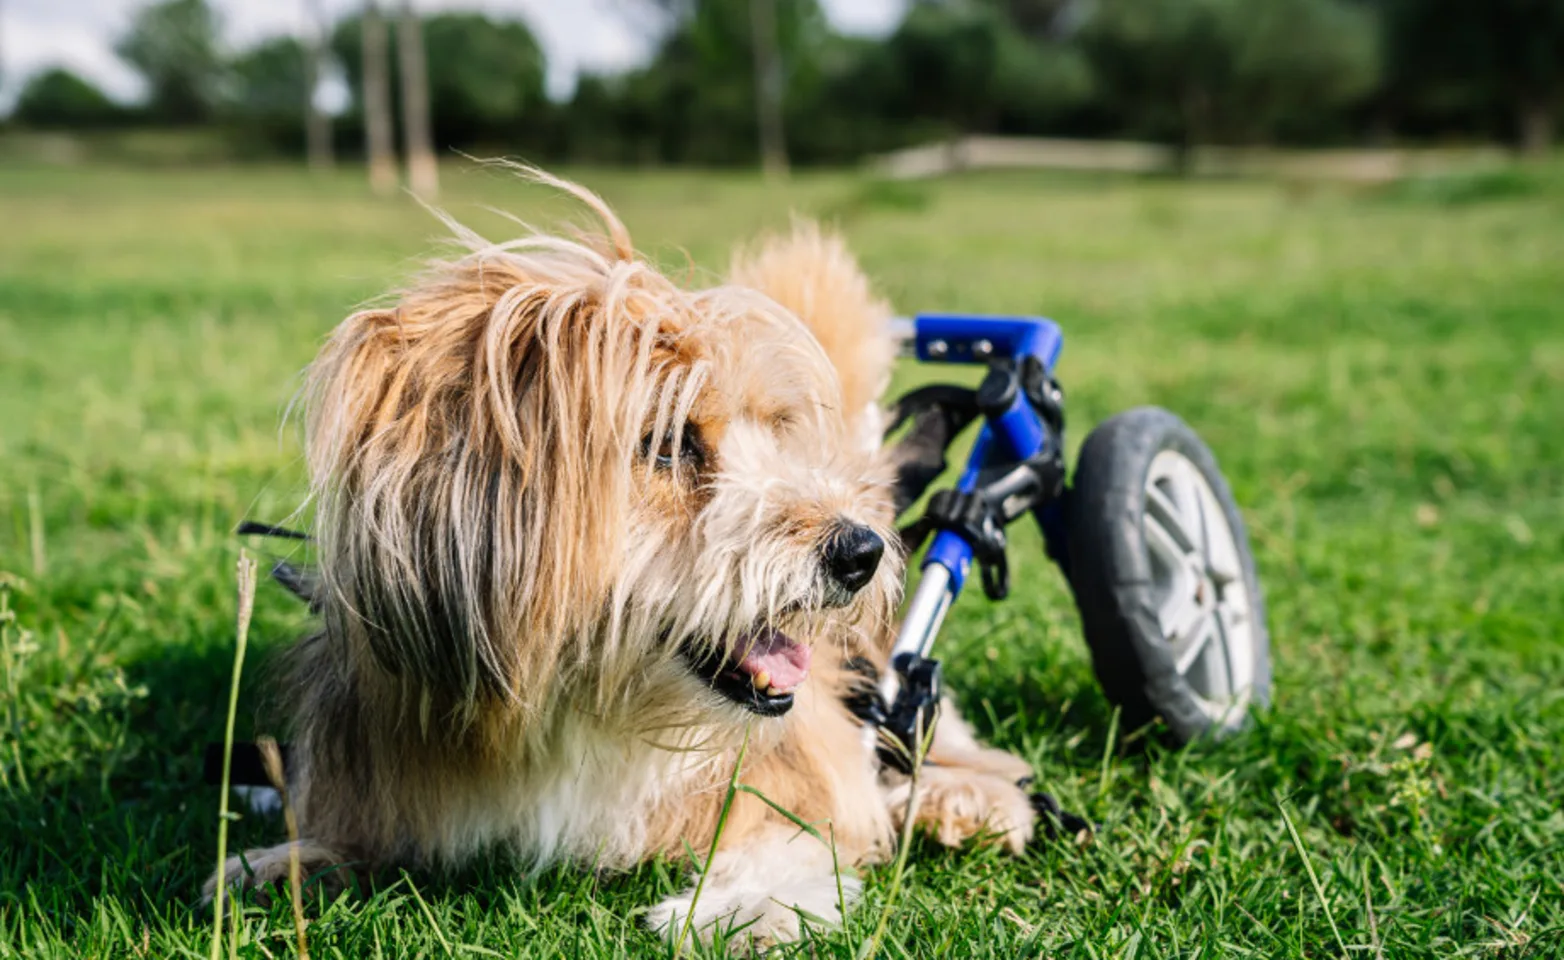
(938, 414)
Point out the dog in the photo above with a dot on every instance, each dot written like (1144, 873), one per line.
(586, 539)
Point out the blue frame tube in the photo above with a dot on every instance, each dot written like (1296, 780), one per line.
(1014, 436)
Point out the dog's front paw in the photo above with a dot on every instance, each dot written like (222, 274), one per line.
(756, 925)
(260, 869)
(956, 804)
(758, 896)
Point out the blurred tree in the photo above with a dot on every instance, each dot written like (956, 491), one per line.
(486, 77)
(373, 81)
(1462, 61)
(423, 174)
(1204, 71)
(968, 66)
(270, 80)
(768, 86)
(317, 124)
(950, 67)
(173, 45)
(266, 97)
(1049, 19)
(60, 99)
(726, 75)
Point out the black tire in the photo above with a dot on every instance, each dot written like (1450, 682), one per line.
(1119, 587)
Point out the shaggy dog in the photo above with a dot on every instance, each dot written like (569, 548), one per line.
(585, 537)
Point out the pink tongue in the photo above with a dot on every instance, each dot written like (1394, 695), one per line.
(785, 662)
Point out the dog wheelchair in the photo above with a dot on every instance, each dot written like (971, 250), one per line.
(1147, 535)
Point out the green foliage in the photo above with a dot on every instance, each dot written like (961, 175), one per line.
(1204, 71)
(695, 101)
(60, 98)
(173, 45)
(1380, 382)
(947, 68)
(969, 68)
(1450, 60)
(486, 77)
(271, 80)
(1185, 72)
(266, 96)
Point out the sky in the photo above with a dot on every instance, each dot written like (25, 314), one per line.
(590, 36)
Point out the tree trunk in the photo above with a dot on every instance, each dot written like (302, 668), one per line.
(377, 103)
(1195, 132)
(317, 125)
(423, 175)
(1535, 115)
(768, 87)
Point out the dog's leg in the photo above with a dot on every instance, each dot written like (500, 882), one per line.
(966, 790)
(761, 893)
(260, 868)
(957, 804)
(955, 745)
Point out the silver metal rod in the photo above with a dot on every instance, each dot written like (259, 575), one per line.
(921, 625)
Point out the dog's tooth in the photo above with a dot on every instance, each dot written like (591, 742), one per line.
(761, 680)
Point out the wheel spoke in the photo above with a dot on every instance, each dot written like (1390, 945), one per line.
(1224, 661)
(1166, 547)
(1221, 552)
(1161, 508)
(1186, 655)
(1184, 484)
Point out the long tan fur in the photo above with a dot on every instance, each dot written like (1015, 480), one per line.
(811, 272)
(546, 478)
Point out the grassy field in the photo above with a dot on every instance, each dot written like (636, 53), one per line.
(1381, 376)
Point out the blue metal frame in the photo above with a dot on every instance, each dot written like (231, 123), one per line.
(1016, 435)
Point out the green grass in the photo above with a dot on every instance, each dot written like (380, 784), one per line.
(1382, 379)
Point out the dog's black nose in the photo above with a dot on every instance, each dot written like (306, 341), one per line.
(852, 556)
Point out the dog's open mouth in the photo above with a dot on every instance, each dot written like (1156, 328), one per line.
(761, 673)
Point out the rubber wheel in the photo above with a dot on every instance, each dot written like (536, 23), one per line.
(1164, 578)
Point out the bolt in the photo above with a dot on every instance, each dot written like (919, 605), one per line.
(938, 349)
(982, 349)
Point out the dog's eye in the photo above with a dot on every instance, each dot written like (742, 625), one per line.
(671, 447)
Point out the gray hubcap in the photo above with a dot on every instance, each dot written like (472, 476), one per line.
(1201, 597)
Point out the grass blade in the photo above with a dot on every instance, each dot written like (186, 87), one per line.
(711, 855)
(246, 578)
(272, 757)
(1308, 866)
(428, 915)
(899, 870)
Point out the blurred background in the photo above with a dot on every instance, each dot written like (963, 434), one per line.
(1153, 83)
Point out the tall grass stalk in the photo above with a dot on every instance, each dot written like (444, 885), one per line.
(271, 755)
(711, 854)
(909, 815)
(246, 578)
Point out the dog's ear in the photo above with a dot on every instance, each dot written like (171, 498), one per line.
(811, 272)
(470, 452)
